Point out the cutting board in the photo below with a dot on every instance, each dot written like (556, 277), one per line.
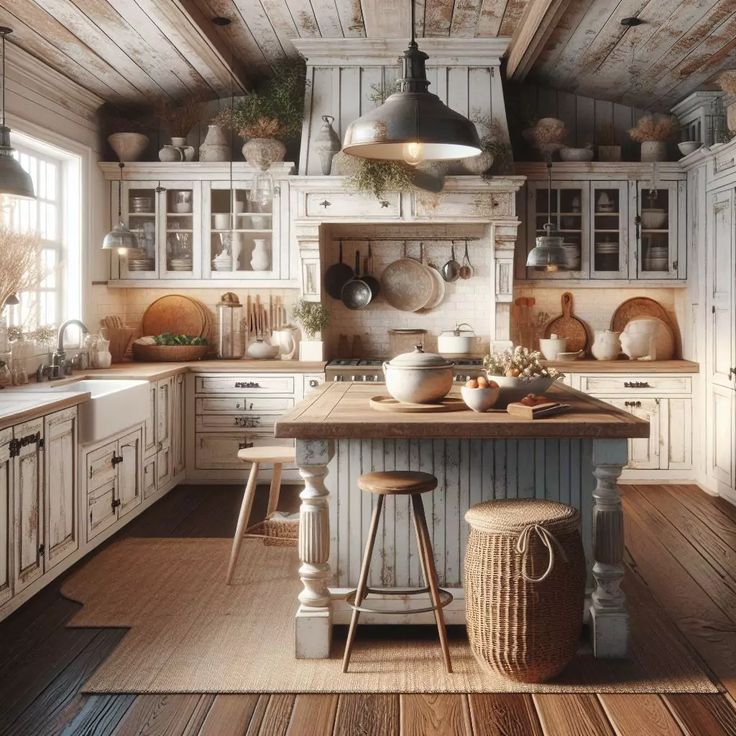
(568, 326)
(387, 403)
(178, 314)
(549, 409)
(639, 306)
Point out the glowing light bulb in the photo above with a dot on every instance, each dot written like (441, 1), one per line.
(413, 153)
(122, 251)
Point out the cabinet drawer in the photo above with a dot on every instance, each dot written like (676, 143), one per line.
(473, 205)
(626, 385)
(311, 382)
(345, 205)
(99, 467)
(219, 451)
(100, 511)
(244, 384)
(233, 405)
(217, 422)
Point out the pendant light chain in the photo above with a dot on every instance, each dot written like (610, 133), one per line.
(413, 23)
(5, 33)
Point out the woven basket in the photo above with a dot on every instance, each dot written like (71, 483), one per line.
(275, 532)
(524, 610)
(169, 353)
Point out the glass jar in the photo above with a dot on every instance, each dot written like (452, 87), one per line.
(404, 340)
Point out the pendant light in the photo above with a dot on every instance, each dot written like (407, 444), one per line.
(15, 181)
(548, 253)
(120, 238)
(413, 124)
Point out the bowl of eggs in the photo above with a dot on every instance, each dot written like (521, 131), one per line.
(480, 394)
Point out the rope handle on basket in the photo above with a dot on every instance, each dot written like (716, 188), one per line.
(548, 540)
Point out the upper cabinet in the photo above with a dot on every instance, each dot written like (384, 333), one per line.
(196, 225)
(619, 222)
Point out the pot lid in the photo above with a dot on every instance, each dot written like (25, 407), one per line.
(419, 359)
(407, 331)
(457, 331)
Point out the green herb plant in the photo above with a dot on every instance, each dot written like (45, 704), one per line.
(313, 316)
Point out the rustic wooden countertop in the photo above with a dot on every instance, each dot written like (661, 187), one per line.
(17, 406)
(624, 366)
(342, 411)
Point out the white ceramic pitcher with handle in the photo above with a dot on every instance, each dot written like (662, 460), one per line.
(287, 342)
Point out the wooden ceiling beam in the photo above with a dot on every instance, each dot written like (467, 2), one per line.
(539, 20)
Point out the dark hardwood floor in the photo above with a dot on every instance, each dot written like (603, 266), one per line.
(681, 543)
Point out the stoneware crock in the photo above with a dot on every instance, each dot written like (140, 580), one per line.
(418, 377)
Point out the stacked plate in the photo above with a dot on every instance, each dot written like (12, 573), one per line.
(141, 204)
(180, 264)
(606, 256)
(141, 264)
(572, 256)
(656, 258)
(223, 262)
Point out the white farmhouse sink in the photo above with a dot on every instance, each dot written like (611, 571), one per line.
(114, 405)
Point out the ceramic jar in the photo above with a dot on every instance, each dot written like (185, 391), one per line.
(262, 152)
(170, 153)
(261, 350)
(606, 345)
(260, 259)
(187, 152)
(654, 151)
(215, 146)
(326, 143)
(418, 377)
(552, 346)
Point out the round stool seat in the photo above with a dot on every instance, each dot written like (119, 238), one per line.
(267, 454)
(397, 482)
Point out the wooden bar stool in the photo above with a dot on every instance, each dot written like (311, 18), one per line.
(400, 483)
(257, 456)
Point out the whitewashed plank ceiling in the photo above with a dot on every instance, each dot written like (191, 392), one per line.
(137, 50)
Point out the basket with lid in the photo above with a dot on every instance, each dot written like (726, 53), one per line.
(524, 587)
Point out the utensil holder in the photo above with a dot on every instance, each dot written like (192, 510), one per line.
(119, 338)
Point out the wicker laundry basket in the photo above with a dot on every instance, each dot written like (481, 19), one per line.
(524, 587)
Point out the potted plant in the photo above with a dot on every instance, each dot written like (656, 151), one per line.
(269, 117)
(313, 317)
(653, 131)
(607, 148)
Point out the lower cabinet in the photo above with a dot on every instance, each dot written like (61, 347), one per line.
(721, 443)
(6, 517)
(644, 452)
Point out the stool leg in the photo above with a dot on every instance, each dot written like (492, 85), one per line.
(245, 508)
(275, 490)
(430, 574)
(363, 581)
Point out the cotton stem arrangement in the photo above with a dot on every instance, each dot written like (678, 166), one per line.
(20, 265)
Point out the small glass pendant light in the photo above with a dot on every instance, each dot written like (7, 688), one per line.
(412, 125)
(120, 238)
(548, 253)
(15, 181)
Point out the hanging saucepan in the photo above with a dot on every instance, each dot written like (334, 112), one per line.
(368, 277)
(336, 276)
(451, 269)
(356, 294)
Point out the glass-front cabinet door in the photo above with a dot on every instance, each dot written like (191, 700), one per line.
(240, 233)
(609, 230)
(568, 210)
(140, 212)
(657, 230)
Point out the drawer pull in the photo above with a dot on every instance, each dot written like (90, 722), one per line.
(242, 405)
(247, 384)
(244, 445)
(384, 203)
(248, 422)
(636, 384)
(325, 203)
(634, 404)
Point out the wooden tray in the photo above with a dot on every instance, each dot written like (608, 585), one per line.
(178, 314)
(639, 306)
(568, 326)
(388, 403)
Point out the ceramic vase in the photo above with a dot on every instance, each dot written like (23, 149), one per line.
(326, 143)
(606, 345)
(128, 146)
(260, 259)
(236, 247)
(215, 146)
(654, 151)
(187, 152)
(170, 153)
(262, 152)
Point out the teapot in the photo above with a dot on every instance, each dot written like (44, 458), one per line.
(606, 345)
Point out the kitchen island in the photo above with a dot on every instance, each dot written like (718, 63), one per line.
(574, 457)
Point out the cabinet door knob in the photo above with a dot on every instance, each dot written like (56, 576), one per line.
(325, 203)
(313, 383)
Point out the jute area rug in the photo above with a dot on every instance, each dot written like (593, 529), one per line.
(189, 632)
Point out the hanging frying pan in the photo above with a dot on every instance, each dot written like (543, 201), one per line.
(336, 276)
(356, 294)
(368, 277)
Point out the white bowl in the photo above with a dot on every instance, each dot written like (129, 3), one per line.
(576, 154)
(515, 389)
(687, 147)
(551, 347)
(653, 219)
(480, 399)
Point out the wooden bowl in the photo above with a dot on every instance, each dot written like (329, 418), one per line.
(169, 353)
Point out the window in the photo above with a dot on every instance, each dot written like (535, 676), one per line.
(56, 215)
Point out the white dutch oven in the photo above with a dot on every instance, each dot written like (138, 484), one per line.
(418, 377)
(457, 341)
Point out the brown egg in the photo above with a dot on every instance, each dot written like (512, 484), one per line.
(471, 383)
(482, 382)
(492, 384)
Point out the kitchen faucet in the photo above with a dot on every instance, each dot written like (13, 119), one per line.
(58, 359)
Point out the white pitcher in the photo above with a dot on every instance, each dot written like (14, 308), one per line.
(287, 341)
(606, 345)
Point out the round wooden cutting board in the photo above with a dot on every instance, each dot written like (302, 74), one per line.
(639, 306)
(387, 403)
(178, 314)
(568, 326)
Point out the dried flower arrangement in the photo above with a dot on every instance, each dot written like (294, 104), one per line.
(492, 140)
(20, 266)
(381, 92)
(655, 127)
(379, 177)
(274, 110)
(313, 316)
(518, 362)
(178, 118)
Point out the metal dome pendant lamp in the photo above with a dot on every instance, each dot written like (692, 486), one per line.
(548, 253)
(120, 238)
(412, 125)
(15, 181)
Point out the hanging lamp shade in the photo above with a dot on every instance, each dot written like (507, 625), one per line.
(412, 125)
(548, 253)
(120, 238)
(15, 181)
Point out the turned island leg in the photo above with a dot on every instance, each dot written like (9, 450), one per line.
(313, 630)
(610, 619)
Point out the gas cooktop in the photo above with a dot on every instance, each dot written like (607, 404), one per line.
(378, 362)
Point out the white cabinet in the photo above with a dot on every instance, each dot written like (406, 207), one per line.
(643, 451)
(721, 432)
(61, 511)
(178, 436)
(129, 472)
(6, 516)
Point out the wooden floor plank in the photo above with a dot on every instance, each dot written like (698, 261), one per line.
(367, 714)
(434, 714)
(313, 715)
(158, 715)
(572, 715)
(703, 714)
(277, 715)
(503, 714)
(229, 715)
(93, 715)
(258, 713)
(636, 714)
